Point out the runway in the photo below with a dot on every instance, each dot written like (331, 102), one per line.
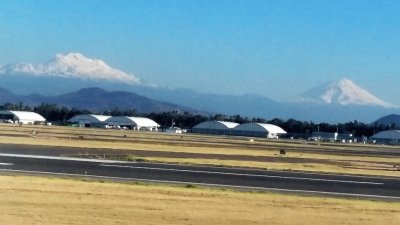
(307, 183)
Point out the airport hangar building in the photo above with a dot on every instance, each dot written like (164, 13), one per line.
(214, 127)
(391, 137)
(258, 130)
(89, 120)
(100, 121)
(21, 117)
(246, 129)
(134, 123)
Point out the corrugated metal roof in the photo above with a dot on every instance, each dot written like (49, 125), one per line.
(388, 134)
(216, 125)
(101, 118)
(228, 124)
(90, 118)
(260, 127)
(272, 128)
(144, 122)
(28, 116)
(138, 121)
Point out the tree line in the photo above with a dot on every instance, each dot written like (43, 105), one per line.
(60, 115)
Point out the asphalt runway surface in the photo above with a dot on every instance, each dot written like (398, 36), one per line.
(120, 153)
(35, 160)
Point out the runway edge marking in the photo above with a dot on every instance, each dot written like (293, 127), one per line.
(213, 185)
(244, 174)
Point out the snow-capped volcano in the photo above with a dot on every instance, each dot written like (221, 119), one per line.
(343, 92)
(72, 65)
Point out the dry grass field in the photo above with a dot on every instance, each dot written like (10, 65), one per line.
(48, 200)
(39, 200)
(215, 150)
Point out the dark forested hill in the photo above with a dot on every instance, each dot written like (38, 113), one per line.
(96, 99)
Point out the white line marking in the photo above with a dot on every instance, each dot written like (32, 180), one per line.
(281, 171)
(241, 174)
(6, 164)
(212, 185)
(126, 162)
(62, 158)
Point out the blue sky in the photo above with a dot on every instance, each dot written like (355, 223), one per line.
(272, 48)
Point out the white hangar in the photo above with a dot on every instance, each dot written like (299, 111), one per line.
(387, 137)
(258, 130)
(89, 120)
(134, 123)
(215, 127)
(21, 117)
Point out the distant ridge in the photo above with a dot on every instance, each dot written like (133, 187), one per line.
(389, 120)
(97, 99)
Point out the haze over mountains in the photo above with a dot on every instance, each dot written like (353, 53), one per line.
(337, 101)
(97, 100)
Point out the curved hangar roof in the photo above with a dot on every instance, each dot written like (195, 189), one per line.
(260, 127)
(222, 125)
(89, 118)
(388, 134)
(138, 121)
(25, 116)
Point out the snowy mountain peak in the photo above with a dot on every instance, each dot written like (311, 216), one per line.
(74, 65)
(343, 92)
(70, 57)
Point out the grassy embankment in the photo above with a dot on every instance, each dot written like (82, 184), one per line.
(216, 150)
(37, 200)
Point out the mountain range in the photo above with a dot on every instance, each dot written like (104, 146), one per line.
(69, 80)
(97, 100)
